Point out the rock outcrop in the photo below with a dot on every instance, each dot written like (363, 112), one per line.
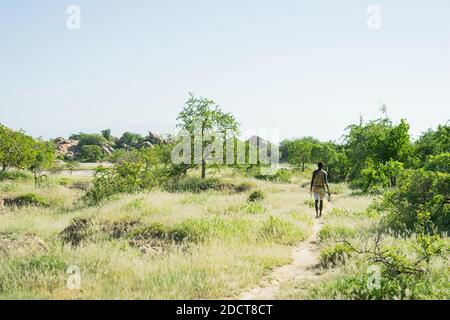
(107, 149)
(153, 138)
(67, 148)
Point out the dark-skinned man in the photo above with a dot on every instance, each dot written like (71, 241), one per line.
(319, 183)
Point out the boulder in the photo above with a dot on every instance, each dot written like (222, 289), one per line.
(107, 148)
(67, 148)
(153, 138)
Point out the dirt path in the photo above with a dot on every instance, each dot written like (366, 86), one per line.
(305, 258)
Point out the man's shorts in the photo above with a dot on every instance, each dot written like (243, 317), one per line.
(319, 193)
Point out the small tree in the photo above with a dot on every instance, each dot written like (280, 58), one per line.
(209, 118)
(300, 151)
(71, 166)
(16, 149)
(44, 159)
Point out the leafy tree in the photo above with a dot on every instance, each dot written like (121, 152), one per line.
(377, 141)
(130, 139)
(16, 149)
(135, 171)
(203, 117)
(71, 166)
(440, 162)
(92, 153)
(433, 142)
(106, 134)
(44, 159)
(300, 151)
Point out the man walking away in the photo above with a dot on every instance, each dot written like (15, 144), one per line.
(318, 183)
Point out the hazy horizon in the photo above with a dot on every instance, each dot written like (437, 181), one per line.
(300, 68)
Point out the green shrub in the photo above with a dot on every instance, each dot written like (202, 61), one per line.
(196, 184)
(244, 187)
(89, 139)
(29, 199)
(335, 255)
(13, 175)
(92, 153)
(256, 195)
(440, 162)
(418, 191)
(42, 264)
(356, 286)
(282, 175)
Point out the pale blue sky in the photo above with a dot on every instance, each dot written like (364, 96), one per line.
(278, 65)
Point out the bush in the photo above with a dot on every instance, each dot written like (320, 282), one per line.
(418, 192)
(244, 187)
(89, 139)
(92, 153)
(29, 199)
(13, 175)
(335, 255)
(196, 184)
(440, 162)
(282, 175)
(355, 286)
(42, 264)
(256, 195)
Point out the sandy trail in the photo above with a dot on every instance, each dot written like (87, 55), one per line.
(305, 259)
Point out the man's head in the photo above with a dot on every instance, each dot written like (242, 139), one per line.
(320, 165)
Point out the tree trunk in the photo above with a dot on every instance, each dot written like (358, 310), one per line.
(203, 169)
(303, 167)
(3, 167)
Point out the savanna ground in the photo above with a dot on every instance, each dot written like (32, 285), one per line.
(191, 245)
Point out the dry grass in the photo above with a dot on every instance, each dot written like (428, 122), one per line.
(226, 243)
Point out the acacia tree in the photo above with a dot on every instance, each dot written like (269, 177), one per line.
(202, 117)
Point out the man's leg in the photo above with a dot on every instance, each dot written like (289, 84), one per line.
(316, 205)
(321, 207)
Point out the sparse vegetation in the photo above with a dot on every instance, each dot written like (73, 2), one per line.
(144, 227)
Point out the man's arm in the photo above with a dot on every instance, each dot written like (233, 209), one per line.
(312, 181)
(326, 183)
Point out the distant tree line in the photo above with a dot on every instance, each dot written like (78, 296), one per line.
(373, 153)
